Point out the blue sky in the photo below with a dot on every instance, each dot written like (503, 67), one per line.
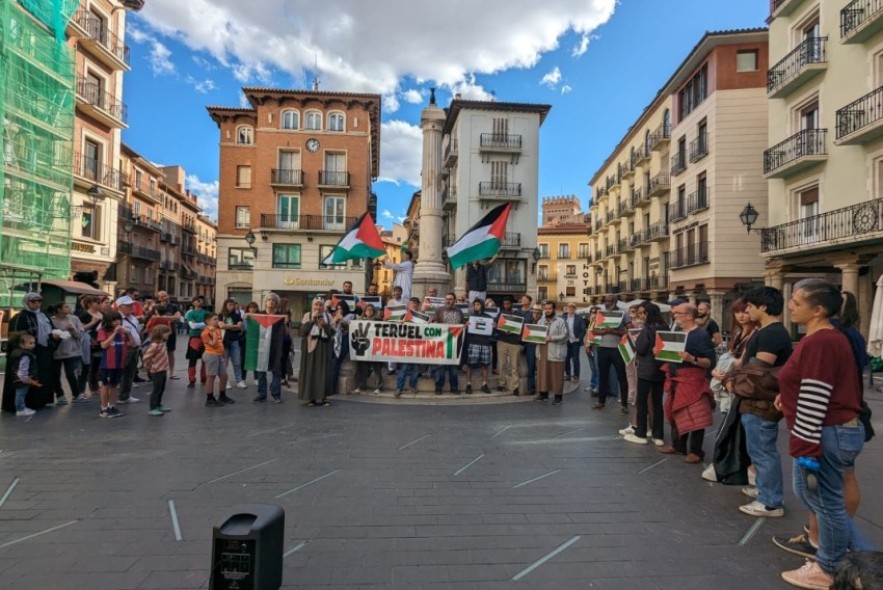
(597, 62)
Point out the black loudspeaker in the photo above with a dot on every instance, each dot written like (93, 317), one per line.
(247, 549)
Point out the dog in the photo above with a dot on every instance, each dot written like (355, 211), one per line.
(860, 571)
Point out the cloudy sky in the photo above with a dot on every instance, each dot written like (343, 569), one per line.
(597, 62)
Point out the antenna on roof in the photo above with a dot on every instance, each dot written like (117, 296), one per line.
(316, 75)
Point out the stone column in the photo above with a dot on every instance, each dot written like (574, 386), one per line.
(430, 271)
(849, 277)
(716, 300)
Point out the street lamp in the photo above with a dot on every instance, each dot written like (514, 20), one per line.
(249, 238)
(95, 192)
(561, 296)
(536, 258)
(748, 216)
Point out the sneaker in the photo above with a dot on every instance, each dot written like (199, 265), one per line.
(558, 401)
(129, 400)
(658, 442)
(468, 389)
(541, 397)
(155, 412)
(114, 412)
(81, 399)
(377, 390)
(398, 393)
(758, 509)
(277, 400)
(709, 474)
(357, 391)
(438, 392)
(624, 410)
(750, 491)
(164, 409)
(62, 401)
(226, 400)
(455, 392)
(515, 392)
(258, 400)
(104, 413)
(798, 545)
(412, 390)
(229, 385)
(191, 385)
(632, 438)
(809, 576)
(627, 430)
(597, 406)
(175, 377)
(241, 385)
(211, 402)
(485, 388)
(26, 412)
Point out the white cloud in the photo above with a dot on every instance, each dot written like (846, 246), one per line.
(581, 47)
(387, 214)
(207, 192)
(160, 55)
(412, 96)
(401, 152)
(552, 78)
(259, 37)
(390, 103)
(201, 86)
(469, 90)
(566, 88)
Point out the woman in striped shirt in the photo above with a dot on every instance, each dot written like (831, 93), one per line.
(820, 396)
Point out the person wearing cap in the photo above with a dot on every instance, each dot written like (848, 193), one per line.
(130, 323)
(33, 321)
(195, 320)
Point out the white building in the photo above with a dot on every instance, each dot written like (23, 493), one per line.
(491, 156)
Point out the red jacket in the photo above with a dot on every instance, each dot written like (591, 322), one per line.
(690, 407)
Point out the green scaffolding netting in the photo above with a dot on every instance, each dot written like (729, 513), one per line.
(37, 116)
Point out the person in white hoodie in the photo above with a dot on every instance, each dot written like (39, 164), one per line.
(551, 356)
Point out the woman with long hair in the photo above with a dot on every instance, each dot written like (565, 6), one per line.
(650, 379)
(820, 396)
(742, 329)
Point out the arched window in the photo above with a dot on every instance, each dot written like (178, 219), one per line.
(647, 141)
(245, 135)
(290, 120)
(313, 120)
(666, 123)
(335, 121)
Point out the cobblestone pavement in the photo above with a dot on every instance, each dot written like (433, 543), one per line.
(519, 495)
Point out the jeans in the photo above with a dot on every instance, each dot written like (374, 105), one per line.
(650, 392)
(159, 386)
(233, 353)
(837, 531)
(275, 385)
(71, 372)
(760, 440)
(530, 351)
(411, 369)
(594, 380)
(129, 370)
(20, 393)
(611, 358)
(451, 370)
(572, 360)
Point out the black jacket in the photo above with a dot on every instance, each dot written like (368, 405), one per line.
(648, 366)
(476, 278)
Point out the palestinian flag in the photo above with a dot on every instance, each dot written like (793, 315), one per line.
(534, 333)
(415, 317)
(258, 340)
(668, 345)
(396, 313)
(626, 349)
(362, 241)
(510, 324)
(482, 240)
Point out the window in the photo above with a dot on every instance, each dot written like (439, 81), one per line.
(243, 177)
(564, 251)
(243, 217)
(138, 178)
(335, 122)
(543, 273)
(313, 120)
(647, 141)
(244, 135)
(287, 210)
(289, 120)
(240, 258)
(809, 116)
(694, 92)
(570, 291)
(570, 270)
(286, 255)
(93, 90)
(544, 248)
(809, 211)
(507, 275)
(543, 293)
(325, 252)
(89, 222)
(334, 212)
(499, 175)
(746, 60)
(335, 170)
(584, 251)
(91, 159)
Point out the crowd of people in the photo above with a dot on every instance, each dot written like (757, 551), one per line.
(755, 379)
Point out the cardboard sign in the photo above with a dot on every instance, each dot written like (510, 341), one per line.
(668, 345)
(481, 326)
(534, 333)
(510, 324)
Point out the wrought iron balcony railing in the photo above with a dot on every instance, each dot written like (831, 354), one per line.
(139, 251)
(94, 170)
(678, 163)
(499, 189)
(699, 147)
(505, 141)
(690, 255)
(697, 201)
(334, 178)
(677, 211)
(660, 136)
(812, 50)
(809, 142)
(98, 97)
(336, 223)
(98, 31)
(289, 177)
(858, 14)
(861, 113)
(856, 222)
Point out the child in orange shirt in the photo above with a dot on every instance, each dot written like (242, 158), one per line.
(215, 362)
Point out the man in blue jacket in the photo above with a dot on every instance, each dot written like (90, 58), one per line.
(576, 333)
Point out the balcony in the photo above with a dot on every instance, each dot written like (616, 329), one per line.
(860, 20)
(613, 181)
(138, 220)
(660, 282)
(660, 137)
(100, 105)
(146, 190)
(167, 264)
(141, 252)
(635, 198)
(451, 154)
(659, 185)
(783, 7)
(678, 163)
(598, 224)
(624, 245)
(644, 194)
(89, 171)
(850, 225)
(634, 240)
(511, 240)
(334, 179)
(677, 211)
(286, 177)
(804, 62)
(165, 237)
(205, 259)
(307, 223)
(691, 255)
(189, 274)
(189, 227)
(610, 216)
(641, 155)
(802, 150)
(656, 232)
(628, 170)
(499, 142)
(499, 190)
(697, 201)
(598, 255)
(449, 198)
(699, 148)
(862, 120)
(106, 46)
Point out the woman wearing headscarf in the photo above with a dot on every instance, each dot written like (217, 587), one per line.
(33, 321)
(314, 380)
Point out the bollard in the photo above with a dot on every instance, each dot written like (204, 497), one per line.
(247, 549)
